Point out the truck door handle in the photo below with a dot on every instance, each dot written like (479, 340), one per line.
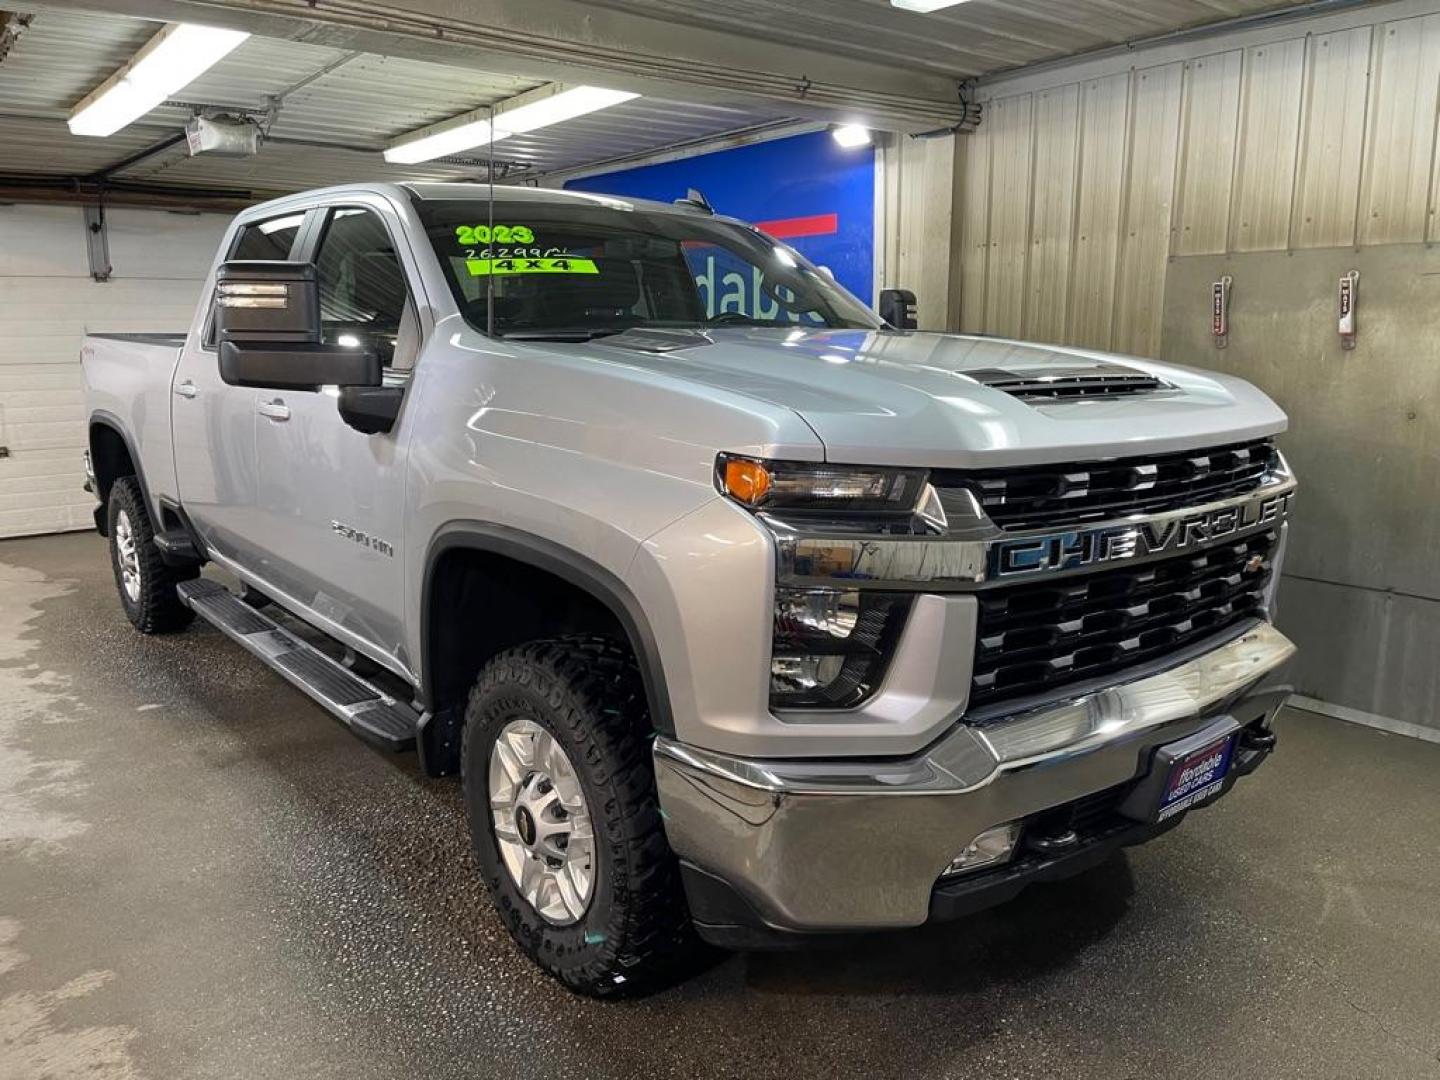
(276, 410)
(187, 389)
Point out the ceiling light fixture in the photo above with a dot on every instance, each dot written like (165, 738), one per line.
(924, 6)
(851, 136)
(168, 62)
(527, 112)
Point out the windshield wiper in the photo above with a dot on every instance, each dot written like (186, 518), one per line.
(563, 334)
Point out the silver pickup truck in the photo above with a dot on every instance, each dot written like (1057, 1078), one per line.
(746, 616)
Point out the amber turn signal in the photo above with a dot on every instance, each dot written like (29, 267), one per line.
(745, 480)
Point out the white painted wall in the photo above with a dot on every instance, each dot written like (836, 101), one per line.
(48, 302)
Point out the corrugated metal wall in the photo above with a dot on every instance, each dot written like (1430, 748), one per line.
(915, 226)
(1361, 593)
(1099, 202)
(47, 302)
(1075, 194)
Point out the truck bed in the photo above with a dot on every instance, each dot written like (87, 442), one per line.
(127, 387)
(168, 339)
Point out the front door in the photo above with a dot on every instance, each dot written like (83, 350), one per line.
(330, 498)
(214, 423)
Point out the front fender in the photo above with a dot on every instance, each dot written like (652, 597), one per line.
(570, 566)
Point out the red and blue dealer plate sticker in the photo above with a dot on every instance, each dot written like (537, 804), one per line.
(1196, 777)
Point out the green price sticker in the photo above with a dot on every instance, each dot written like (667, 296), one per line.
(505, 267)
(470, 235)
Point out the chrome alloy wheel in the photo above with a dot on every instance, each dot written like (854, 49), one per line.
(129, 556)
(541, 822)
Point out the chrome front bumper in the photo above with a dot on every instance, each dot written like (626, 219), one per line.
(852, 845)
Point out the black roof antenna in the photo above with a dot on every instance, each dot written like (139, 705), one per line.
(696, 198)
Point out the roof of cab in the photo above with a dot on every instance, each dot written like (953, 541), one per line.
(435, 191)
(477, 192)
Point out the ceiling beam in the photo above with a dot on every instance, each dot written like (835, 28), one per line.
(573, 42)
(77, 191)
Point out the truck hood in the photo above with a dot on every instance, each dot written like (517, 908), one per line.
(887, 398)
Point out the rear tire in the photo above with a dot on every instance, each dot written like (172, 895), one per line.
(617, 923)
(146, 585)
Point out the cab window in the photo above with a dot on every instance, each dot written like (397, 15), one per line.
(363, 299)
(270, 239)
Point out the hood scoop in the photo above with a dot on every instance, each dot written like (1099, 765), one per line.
(645, 339)
(1064, 382)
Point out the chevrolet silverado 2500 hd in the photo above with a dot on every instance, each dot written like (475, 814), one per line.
(744, 615)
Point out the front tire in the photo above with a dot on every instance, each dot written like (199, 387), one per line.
(146, 585)
(560, 794)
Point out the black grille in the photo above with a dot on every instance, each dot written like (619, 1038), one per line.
(1046, 495)
(1091, 816)
(1096, 813)
(1034, 638)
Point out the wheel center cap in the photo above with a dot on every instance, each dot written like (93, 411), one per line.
(525, 826)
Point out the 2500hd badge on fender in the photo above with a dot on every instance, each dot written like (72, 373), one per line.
(745, 624)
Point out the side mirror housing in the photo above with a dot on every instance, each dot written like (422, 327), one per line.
(267, 301)
(298, 367)
(897, 307)
(372, 410)
(267, 323)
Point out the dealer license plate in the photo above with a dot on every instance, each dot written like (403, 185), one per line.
(1196, 777)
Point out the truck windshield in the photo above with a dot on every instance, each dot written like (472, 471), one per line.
(572, 272)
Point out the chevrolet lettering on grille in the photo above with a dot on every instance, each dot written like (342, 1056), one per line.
(1073, 549)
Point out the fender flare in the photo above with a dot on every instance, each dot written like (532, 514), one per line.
(105, 419)
(567, 565)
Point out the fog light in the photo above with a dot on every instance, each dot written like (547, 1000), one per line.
(831, 646)
(989, 848)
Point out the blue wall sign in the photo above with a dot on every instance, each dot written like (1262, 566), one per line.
(806, 190)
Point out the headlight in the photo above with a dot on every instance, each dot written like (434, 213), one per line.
(823, 489)
(832, 646)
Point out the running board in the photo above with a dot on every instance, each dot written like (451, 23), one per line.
(368, 711)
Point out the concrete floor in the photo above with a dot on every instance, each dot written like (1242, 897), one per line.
(203, 875)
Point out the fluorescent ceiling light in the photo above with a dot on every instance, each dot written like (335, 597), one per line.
(537, 109)
(443, 143)
(851, 135)
(169, 62)
(924, 6)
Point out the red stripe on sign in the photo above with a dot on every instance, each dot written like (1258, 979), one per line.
(790, 228)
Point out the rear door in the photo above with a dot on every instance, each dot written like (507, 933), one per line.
(330, 513)
(214, 423)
